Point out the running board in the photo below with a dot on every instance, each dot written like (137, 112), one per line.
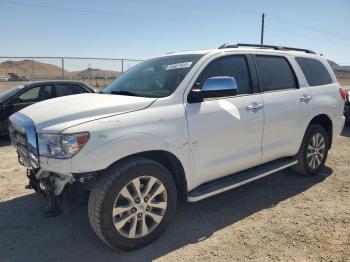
(238, 179)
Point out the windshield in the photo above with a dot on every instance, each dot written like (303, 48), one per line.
(157, 77)
(9, 93)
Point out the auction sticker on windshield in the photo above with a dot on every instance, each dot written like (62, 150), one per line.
(179, 65)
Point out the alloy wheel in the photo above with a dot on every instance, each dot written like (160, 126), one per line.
(316, 151)
(139, 207)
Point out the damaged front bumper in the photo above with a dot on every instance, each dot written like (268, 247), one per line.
(47, 176)
(44, 182)
(50, 186)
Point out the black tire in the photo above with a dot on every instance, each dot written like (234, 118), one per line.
(303, 166)
(106, 190)
(347, 119)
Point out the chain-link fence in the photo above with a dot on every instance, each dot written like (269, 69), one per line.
(97, 72)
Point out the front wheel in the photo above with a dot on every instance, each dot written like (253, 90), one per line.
(313, 152)
(132, 203)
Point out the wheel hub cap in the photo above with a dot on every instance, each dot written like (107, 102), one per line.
(142, 207)
(139, 207)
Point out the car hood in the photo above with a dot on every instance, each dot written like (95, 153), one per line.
(55, 115)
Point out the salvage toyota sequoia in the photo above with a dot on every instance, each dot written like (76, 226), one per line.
(180, 127)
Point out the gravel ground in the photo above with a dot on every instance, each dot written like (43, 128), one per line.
(283, 217)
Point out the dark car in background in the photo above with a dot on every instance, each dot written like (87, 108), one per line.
(347, 108)
(25, 95)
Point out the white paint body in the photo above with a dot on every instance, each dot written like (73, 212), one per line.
(211, 139)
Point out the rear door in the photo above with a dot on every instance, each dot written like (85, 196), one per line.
(226, 132)
(287, 106)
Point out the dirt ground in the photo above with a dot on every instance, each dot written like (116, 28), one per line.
(283, 217)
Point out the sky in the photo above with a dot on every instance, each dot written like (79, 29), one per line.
(142, 29)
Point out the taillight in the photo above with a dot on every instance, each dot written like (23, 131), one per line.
(342, 93)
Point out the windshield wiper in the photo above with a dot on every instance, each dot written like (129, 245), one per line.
(124, 92)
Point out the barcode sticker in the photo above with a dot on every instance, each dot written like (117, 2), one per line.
(178, 66)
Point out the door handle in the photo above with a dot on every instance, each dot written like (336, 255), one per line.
(305, 99)
(254, 107)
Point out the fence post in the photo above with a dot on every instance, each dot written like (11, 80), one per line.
(62, 60)
(89, 73)
(32, 69)
(122, 65)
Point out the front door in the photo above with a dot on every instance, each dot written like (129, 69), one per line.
(226, 133)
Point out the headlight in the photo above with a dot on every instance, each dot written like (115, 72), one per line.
(61, 146)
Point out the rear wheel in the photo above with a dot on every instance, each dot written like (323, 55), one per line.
(132, 203)
(347, 119)
(313, 152)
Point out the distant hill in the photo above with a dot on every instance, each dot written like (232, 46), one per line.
(340, 71)
(42, 71)
(96, 73)
(337, 67)
(32, 68)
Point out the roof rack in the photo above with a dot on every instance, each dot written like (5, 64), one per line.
(274, 47)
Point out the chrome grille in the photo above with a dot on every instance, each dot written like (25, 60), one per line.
(23, 138)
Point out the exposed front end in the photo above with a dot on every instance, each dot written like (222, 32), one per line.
(24, 138)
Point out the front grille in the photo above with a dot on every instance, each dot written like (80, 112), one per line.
(19, 141)
(23, 138)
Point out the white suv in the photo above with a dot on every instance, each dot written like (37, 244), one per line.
(184, 126)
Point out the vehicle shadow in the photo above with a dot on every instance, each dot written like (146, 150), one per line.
(26, 233)
(4, 141)
(346, 131)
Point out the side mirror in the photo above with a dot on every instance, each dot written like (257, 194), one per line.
(219, 86)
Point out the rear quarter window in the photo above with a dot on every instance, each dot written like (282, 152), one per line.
(315, 72)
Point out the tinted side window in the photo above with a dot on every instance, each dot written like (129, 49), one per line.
(275, 73)
(45, 92)
(234, 66)
(30, 95)
(315, 72)
(68, 89)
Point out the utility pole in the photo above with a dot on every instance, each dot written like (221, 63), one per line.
(262, 28)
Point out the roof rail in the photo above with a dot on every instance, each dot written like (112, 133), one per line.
(281, 48)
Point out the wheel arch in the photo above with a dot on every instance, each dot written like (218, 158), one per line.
(171, 163)
(324, 121)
